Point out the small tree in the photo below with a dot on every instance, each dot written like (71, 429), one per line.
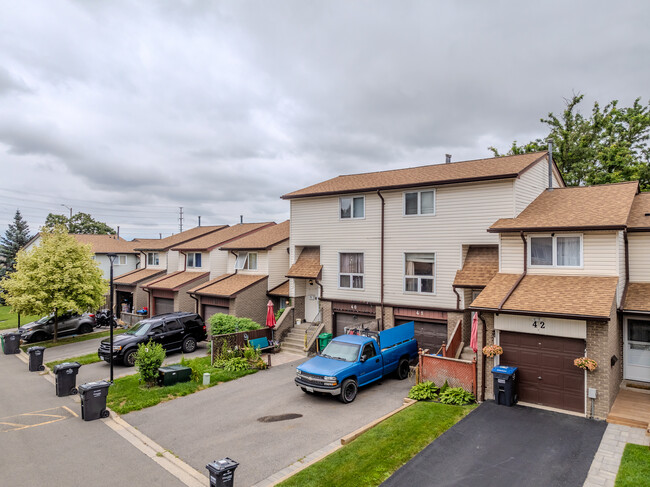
(15, 238)
(80, 223)
(148, 359)
(58, 275)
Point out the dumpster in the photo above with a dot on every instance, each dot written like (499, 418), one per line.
(93, 400)
(66, 378)
(323, 340)
(505, 392)
(222, 472)
(11, 343)
(173, 374)
(36, 359)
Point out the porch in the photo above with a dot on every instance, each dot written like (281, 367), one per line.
(631, 408)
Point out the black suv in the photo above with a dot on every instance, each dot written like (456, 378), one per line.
(174, 331)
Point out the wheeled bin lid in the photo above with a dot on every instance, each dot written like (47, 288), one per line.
(91, 386)
(222, 465)
(502, 369)
(173, 368)
(12, 333)
(35, 349)
(66, 366)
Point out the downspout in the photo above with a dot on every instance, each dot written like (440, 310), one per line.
(523, 239)
(453, 288)
(317, 281)
(627, 269)
(480, 317)
(236, 257)
(381, 279)
(196, 306)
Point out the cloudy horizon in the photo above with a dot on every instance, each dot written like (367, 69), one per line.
(129, 110)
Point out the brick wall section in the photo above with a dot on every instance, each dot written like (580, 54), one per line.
(185, 302)
(299, 307)
(452, 319)
(251, 303)
(140, 298)
(489, 362)
(328, 315)
(389, 317)
(467, 316)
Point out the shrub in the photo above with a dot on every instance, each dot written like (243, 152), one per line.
(223, 324)
(236, 364)
(457, 396)
(444, 387)
(423, 391)
(278, 313)
(149, 357)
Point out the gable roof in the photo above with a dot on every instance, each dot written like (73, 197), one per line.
(604, 206)
(176, 280)
(227, 285)
(507, 167)
(581, 297)
(481, 265)
(177, 239)
(213, 240)
(308, 264)
(263, 239)
(639, 218)
(134, 277)
(281, 290)
(104, 244)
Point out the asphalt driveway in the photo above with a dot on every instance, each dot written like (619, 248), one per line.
(224, 421)
(500, 446)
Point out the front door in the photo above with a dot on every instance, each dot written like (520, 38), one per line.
(637, 349)
(311, 301)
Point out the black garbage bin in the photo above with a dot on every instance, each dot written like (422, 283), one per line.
(505, 385)
(222, 472)
(36, 358)
(93, 400)
(11, 343)
(66, 378)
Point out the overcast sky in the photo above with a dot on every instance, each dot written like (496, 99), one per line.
(128, 110)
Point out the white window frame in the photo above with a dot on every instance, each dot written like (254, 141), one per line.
(435, 271)
(193, 265)
(121, 260)
(155, 257)
(245, 261)
(554, 265)
(419, 212)
(351, 274)
(352, 217)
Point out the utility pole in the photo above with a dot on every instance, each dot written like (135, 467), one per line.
(180, 219)
(70, 220)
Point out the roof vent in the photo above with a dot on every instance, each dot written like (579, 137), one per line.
(447, 158)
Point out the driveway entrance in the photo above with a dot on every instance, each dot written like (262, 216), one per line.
(497, 446)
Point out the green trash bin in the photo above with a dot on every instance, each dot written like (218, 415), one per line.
(323, 340)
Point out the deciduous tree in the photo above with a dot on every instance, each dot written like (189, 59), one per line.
(79, 223)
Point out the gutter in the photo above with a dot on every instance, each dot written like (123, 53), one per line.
(512, 290)
(381, 283)
(556, 229)
(627, 270)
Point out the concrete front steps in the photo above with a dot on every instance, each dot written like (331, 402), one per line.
(294, 342)
(467, 354)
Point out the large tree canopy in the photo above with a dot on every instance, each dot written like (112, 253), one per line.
(609, 146)
(58, 275)
(79, 223)
(15, 238)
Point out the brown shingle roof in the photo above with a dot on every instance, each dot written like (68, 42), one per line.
(639, 218)
(602, 206)
(637, 297)
(136, 276)
(262, 239)
(173, 240)
(227, 285)
(104, 244)
(481, 264)
(308, 264)
(213, 240)
(176, 280)
(437, 174)
(281, 290)
(571, 296)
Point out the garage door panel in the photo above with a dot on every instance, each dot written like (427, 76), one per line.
(163, 305)
(209, 310)
(429, 335)
(528, 358)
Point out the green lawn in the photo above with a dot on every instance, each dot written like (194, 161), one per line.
(91, 358)
(635, 466)
(73, 339)
(375, 455)
(127, 394)
(10, 320)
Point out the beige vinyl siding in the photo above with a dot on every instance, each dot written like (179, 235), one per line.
(278, 264)
(639, 248)
(174, 262)
(620, 253)
(511, 254)
(531, 183)
(218, 260)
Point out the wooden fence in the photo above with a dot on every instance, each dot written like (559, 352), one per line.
(236, 340)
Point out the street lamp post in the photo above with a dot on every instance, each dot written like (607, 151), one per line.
(112, 258)
(70, 220)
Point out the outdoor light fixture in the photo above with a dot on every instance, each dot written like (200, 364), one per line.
(111, 257)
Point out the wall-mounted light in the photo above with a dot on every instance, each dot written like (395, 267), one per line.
(311, 282)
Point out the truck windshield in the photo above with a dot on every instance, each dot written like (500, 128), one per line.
(341, 351)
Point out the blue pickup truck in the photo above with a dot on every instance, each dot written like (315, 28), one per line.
(359, 358)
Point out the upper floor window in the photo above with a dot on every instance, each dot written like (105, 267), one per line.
(419, 203)
(246, 260)
(153, 258)
(194, 259)
(353, 207)
(351, 270)
(121, 260)
(419, 273)
(556, 251)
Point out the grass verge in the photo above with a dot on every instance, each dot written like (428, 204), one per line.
(127, 394)
(635, 466)
(375, 455)
(90, 358)
(72, 339)
(10, 320)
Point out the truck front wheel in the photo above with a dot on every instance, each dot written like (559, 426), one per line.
(403, 369)
(348, 391)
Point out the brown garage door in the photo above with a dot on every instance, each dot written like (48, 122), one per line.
(345, 320)
(546, 373)
(209, 310)
(163, 305)
(429, 335)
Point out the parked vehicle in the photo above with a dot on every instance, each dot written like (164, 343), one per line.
(102, 319)
(69, 323)
(357, 359)
(174, 331)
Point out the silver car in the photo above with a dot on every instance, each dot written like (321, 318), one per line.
(69, 323)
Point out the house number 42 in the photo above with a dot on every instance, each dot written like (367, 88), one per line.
(538, 324)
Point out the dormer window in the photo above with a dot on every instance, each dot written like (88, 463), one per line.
(352, 207)
(246, 261)
(194, 260)
(153, 258)
(555, 251)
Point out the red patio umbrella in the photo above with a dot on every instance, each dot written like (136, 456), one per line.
(270, 317)
(473, 342)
